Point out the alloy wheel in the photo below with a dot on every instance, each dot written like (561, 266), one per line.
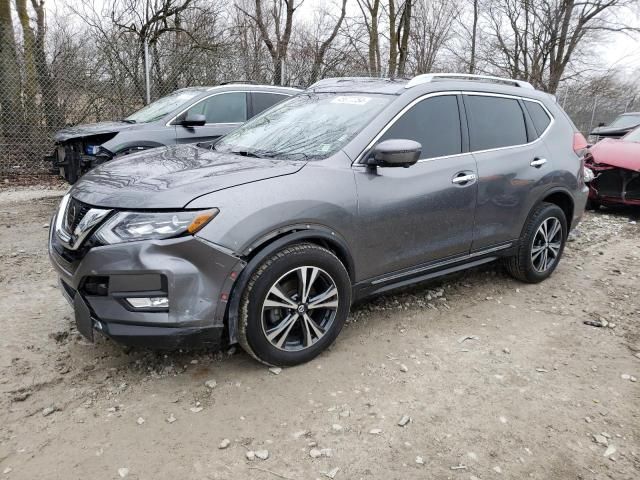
(299, 308)
(546, 246)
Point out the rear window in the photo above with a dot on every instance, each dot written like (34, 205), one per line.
(538, 115)
(495, 122)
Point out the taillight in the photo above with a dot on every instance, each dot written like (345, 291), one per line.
(579, 144)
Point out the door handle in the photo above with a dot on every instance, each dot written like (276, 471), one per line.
(464, 178)
(538, 162)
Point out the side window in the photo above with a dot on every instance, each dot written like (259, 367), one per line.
(434, 123)
(539, 116)
(262, 101)
(223, 108)
(495, 122)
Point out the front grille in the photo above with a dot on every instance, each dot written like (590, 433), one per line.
(76, 211)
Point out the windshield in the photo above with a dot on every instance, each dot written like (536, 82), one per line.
(633, 136)
(161, 107)
(308, 126)
(624, 121)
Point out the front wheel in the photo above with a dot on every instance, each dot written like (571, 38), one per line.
(540, 246)
(294, 305)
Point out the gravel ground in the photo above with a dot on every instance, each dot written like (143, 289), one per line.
(472, 377)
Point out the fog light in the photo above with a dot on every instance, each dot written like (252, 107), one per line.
(149, 302)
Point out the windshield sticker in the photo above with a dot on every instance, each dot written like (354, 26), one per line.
(351, 100)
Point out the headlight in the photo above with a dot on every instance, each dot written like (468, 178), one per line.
(131, 226)
(588, 175)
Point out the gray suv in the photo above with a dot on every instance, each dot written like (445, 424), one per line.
(352, 188)
(189, 115)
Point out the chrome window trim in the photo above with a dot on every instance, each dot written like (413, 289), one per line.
(360, 157)
(170, 122)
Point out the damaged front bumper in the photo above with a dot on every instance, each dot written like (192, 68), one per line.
(105, 283)
(71, 159)
(614, 185)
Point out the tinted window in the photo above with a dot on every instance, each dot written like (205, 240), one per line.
(434, 123)
(223, 108)
(539, 116)
(262, 101)
(494, 122)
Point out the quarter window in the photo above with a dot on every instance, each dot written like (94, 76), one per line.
(223, 108)
(434, 123)
(538, 115)
(495, 122)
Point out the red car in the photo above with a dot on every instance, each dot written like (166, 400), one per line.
(615, 164)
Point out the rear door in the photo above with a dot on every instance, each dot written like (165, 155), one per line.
(514, 166)
(420, 214)
(260, 101)
(224, 112)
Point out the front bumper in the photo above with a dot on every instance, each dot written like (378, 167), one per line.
(614, 185)
(195, 275)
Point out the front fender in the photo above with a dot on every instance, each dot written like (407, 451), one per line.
(270, 244)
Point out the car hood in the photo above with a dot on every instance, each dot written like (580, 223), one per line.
(617, 153)
(613, 131)
(171, 177)
(80, 131)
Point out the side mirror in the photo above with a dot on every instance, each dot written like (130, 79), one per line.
(194, 120)
(395, 153)
(601, 124)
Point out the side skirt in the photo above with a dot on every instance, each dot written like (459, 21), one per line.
(420, 274)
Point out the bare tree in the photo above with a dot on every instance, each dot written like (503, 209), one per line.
(537, 39)
(321, 47)
(10, 82)
(371, 18)
(399, 18)
(432, 29)
(281, 14)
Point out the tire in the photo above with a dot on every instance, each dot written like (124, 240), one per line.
(291, 329)
(529, 263)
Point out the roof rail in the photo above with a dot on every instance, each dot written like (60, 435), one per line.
(429, 77)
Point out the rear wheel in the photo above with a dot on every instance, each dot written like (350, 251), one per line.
(541, 244)
(294, 305)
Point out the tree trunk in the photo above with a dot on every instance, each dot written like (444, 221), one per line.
(11, 111)
(393, 39)
(474, 33)
(52, 114)
(405, 28)
(28, 58)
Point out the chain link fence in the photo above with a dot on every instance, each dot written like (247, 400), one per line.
(36, 106)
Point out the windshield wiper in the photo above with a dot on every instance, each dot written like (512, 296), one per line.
(127, 120)
(253, 153)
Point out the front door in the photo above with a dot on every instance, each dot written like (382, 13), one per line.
(424, 213)
(224, 112)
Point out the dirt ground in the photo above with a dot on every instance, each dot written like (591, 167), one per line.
(499, 380)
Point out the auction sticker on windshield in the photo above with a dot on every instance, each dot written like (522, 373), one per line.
(351, 100)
